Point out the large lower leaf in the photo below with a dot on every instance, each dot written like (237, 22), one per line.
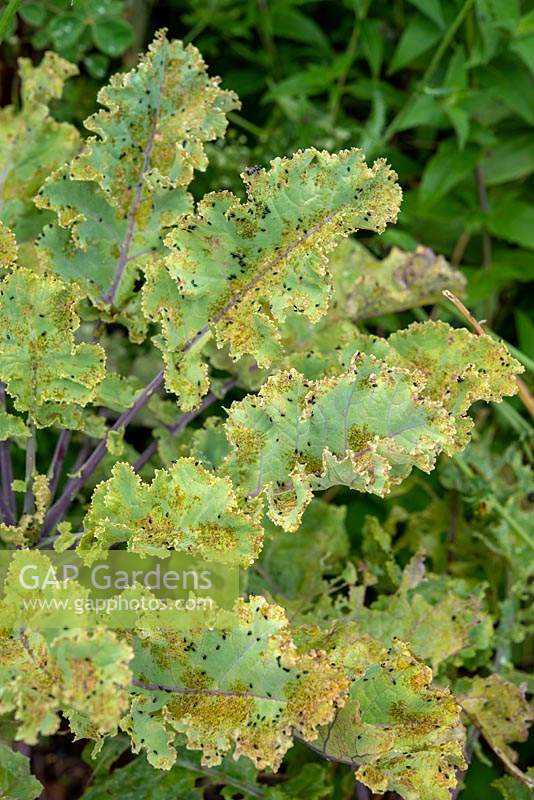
(255, 690)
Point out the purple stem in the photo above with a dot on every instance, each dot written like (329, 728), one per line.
(61, 506)
(83, 452)
(183, 421)
(56, 465)
(9, 503)
(5, 512)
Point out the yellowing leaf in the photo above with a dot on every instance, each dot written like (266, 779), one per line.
(399, 732)
(39, 359)
(129, 181)
(255, 690)
(184, 508)
(365, 428)
(367, 287)
(237, 269)
(32, 143)
(499, 709)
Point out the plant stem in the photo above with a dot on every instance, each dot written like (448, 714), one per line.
(183, 421)
(61, 506)
(464, 311)
(5, 512)
(8, 14)
(9, 503)
(445, 42)
(56, 465)
(31, 452)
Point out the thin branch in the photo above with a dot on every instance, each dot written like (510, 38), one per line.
(9, 503)
(61, 506)
(56, 465)
(183, 421)
(464, 311)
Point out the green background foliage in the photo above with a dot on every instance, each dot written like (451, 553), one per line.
(443, 90)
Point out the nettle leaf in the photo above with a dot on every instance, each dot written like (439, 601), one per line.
(255, 690)
(40, 363)
(32, 143)
(129, 181)
(184, 508)
(236, 269)
(499, 709)
(367, 287)
(16, 780)
(401, 733)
